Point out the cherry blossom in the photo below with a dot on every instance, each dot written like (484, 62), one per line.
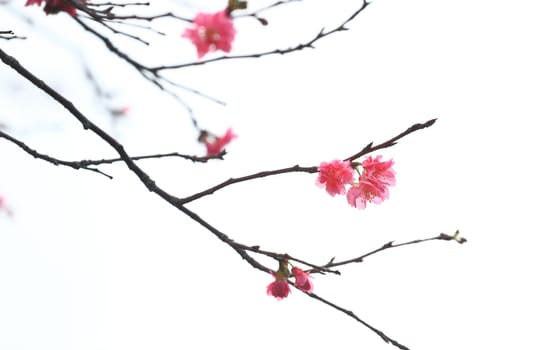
(335, 175)
(373, 184)
(302, 280)
(216, 144)
(379, 170)
(280, 287)
(211, 31)
(54, 6)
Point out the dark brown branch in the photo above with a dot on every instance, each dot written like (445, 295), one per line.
(120, 32)
(9, 35)
(328, 267)
(281, 257)
(148, 73)
(52, 160)
(108, 43)
(87, 163)
(129, 162)
(293, 169)
(356, 318)
(391, 142)
(153, 17)
(114, 4)
(389, 245)
(156, 156)
(103, 12)
(255, 14)
(271, 6)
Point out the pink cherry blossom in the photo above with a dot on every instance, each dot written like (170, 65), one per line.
(373, 183)
(366, 191)
(279, 288)
(381, 171)
(54, 6)
(211, 31)
(216, 144)
(335, 175)
(302, 280)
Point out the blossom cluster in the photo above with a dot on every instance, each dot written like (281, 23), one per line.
(280, 287)
(371, 185)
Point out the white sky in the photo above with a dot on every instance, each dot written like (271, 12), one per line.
(89, 263)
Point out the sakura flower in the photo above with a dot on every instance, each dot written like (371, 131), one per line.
(367, 191)
(302, 280)
(381, 171)
(373, 183)
(216, 144)
(211, 31)
(335, 175)
(280, 287)
(55, 6)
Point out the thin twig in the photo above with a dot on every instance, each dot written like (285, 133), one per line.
(87, 163)
(391, 142)
(231, 181)
(255, 14)
(351, 314)
(389, 245)
(9, 35)
(280, 257)
(52, 160)
(156, 156)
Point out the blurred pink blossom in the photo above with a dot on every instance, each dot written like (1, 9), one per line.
(302, 280)
(211, 31)
(120, 111)
(55, 6)
(216, 144)
(279, 288)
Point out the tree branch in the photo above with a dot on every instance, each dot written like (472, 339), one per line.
(9, 35)
(195, 159)
(179, 203)
(55, 161)
(440, 237)
(261, 174)
(391, 142)
(356, 318)
(311, 169)
(114, 144)
(281, 257)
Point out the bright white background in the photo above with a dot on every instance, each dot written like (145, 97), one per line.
(92, 263)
